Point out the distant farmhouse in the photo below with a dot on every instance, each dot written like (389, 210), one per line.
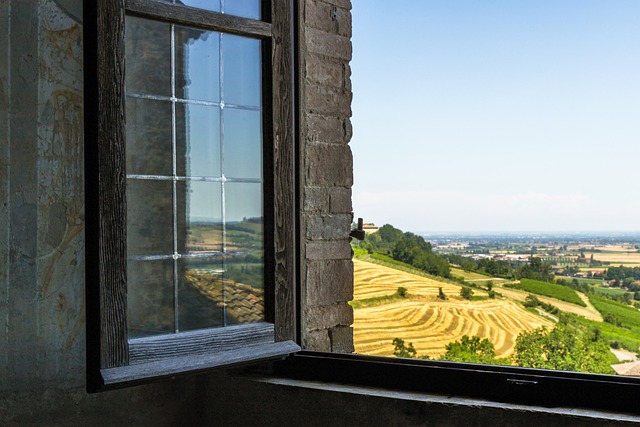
(369, 227)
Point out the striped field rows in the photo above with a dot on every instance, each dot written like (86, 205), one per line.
(427, 322)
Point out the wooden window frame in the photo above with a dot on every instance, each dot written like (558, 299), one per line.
(113, 360)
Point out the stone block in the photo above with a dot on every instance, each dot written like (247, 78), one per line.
(328, 227)
(341, 339)
(328, 316)
(345, 4)
(327, 129)
(316, 341)
(340, 200)
(328, 250)
(329, 282)
(325, 72)
(329, 164)
(316, 199)
(321, 15)
(348, 130)
(327, 100)
(328, 44)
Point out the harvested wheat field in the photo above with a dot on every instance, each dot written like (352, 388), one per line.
(427, 322)
(373, 280)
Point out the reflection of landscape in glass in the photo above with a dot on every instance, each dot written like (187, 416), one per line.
(565, 302)
(194, 176)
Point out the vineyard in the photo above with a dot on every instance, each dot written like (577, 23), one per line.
(426, 321)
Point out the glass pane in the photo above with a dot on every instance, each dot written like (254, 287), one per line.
(244, 238)
(149, 217)
(213, 5)
(243, 203)
(148, 57)
(150, 305)
(198, 140)
(199, 216)
(245, 303)
(242, 72)
(197, 64)
(244, 8)
(148, 137)
(200, 296)
(242, 143)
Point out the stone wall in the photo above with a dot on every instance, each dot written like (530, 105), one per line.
(327, 166)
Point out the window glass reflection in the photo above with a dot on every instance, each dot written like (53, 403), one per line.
(200, 293)
(149, 217)
(150, 300)
(243, 144)
(148, 57)
(200, 216)
(241, 70)
(148, 137)
(197, 57)
(198, 140)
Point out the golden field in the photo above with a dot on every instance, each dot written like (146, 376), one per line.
(426, 321)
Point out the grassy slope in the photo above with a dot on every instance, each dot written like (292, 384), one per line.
(552, 290)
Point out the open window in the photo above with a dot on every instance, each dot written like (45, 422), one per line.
(190, 179)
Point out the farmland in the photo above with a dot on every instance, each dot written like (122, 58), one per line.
(427, 322)
(549, 289)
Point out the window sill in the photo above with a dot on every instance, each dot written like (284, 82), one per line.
(499, 386)
(450, 402)
(193, 364)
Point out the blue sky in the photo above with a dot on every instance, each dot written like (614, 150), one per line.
(497, 115)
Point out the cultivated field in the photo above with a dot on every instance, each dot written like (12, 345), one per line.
(427, 322)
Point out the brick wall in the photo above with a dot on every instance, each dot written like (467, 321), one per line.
(327, 174)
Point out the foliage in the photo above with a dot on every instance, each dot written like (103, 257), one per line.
(401, 293)
(471, 349)
(487, 266)
(466, 292)
(618, 314)
(400, 350)
(406, 351)
(621, 273)
(563, 348)
(414, 250)
(406, 247)
(441, 294)
(536, 269)
(623, 337)
(550, 290)
(532, 302)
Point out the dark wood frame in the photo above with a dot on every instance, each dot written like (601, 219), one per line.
(113, 359)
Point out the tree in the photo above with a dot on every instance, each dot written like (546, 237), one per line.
(409, 352)
(470, 349)
(466, 293)
(400, 350)
(402, 292)
(563, 348)
(536, 269)
(441, 294)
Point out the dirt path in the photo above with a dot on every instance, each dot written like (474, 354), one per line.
(590, 306)
(588, 312)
